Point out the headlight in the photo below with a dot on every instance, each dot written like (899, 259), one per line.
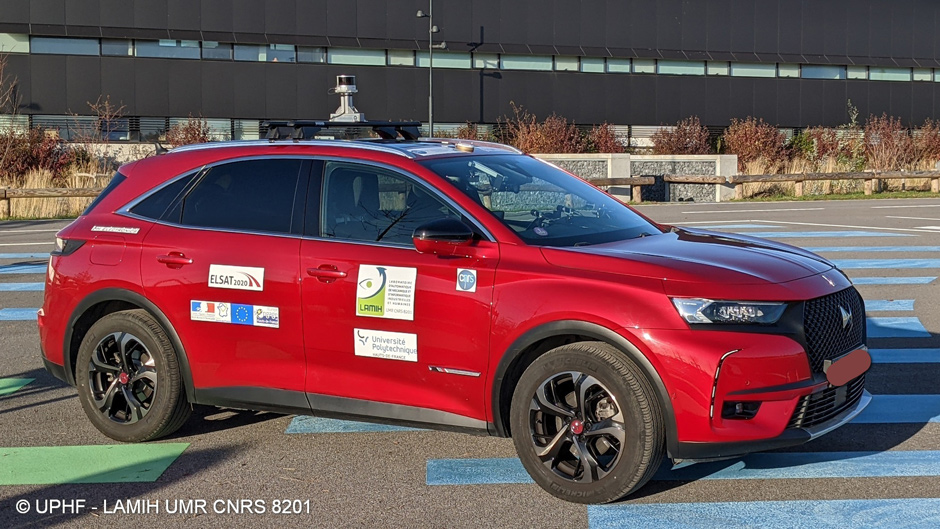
(695, 310)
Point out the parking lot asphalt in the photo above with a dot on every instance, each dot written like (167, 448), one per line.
(883, 470)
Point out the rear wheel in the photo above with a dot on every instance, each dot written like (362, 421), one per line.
(586, 423)
(128, 378)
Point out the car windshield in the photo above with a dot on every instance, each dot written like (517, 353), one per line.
(544, 205)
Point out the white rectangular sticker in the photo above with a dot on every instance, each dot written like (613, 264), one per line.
(235, 313)
(386, 292)
(466, 280)
(388, 345)
(236, 277)
(116, 229)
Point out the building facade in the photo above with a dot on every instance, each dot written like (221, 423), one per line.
(638, 63)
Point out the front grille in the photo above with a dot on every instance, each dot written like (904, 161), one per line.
(826, 338)
(820, 407)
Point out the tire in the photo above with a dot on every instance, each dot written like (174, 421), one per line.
(592, 449)
(129, 380)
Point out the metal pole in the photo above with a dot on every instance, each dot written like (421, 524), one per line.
(431, 68)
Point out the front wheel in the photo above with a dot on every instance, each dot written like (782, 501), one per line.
(128, 378)
(586, 423)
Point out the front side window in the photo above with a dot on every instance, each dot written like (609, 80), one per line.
(370, 204)
(253, 195)
(542, 204)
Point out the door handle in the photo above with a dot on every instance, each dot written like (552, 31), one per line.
(174, 260)
(326, 273)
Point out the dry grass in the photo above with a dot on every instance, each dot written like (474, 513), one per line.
(51, 207)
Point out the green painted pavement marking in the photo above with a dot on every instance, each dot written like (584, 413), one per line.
(55, 465)
(9, 385)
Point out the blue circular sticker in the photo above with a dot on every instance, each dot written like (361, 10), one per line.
(540, 231)
(466, 279)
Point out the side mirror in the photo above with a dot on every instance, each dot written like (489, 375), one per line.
(442, 237)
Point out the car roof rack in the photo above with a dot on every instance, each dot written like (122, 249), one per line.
(304, 129)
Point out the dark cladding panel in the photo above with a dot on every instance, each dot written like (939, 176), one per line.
(371, 19)
(14, 12)
(765, 100)
(311, 18)
(879, 28)
(694, 34)
(717, 111)
(84, 83)
(925, 35)
(401, 22)
(642, 95)
(921, 103)
(668, 99)
(741, 104)
(373, 87)
(856, 91)
(814, 27)
(248, 15)
(280, 81)
(693, 97)
(116, 13)
(567, 22)
(765, 26)
(454, 19)
(118, 81)
(857, 23)
(900, 96)
(280, 18)
(46, 76)
(456, 97)
(185, 80)
(312, 100)
(47, 12)
(402, 102)
(718, 24)
(789, 27)
(742, 25)
(80, 13)
(489, 97)
(568, 97)
(643, 22)
(593, 27)
(218, 79)
(812, 103)
(19, 66)
(834, 96)
(217, 15)
(668, 24)
(879, 100)
(541, 24)
(340, 18)
(184, 14)
(153, 88)
(485, 19)
(901, 29)
(512, 25)
(150, 14)
(249, 90)
(788, 102)
(835, 37)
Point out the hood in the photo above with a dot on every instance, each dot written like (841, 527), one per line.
(696, 256)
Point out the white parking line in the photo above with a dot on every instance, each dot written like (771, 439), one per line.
(750, 210)
(912, 218)
(934, 228)
(30, 231)
(910, 206)
(43, 243)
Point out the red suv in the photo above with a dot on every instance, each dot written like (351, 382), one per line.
(449, 284)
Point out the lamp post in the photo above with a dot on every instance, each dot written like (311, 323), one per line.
(432, 29)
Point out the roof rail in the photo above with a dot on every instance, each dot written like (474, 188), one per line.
(302, 129)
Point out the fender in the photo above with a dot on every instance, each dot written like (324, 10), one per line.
(128, 296)
(601, 334)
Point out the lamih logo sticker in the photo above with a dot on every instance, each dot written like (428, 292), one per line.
(386, 292)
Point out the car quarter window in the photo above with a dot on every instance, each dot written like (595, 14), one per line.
(155, 206)
(366, 203)
(252, 195)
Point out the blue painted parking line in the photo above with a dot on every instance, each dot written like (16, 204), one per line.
(910, 513)
(23, 269)
(22, 287)
(824, 249)
(847, 264)
(814, 234)
(313, 425)
(893, 280)
(18, 314)
(905, 356)
(902, 327)
(781, 465)
(24, 255)
(733, 226)
(901, 409)
(881, 305)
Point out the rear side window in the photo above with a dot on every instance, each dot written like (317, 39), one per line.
(154, 206)
(253, 195)
(115, 181)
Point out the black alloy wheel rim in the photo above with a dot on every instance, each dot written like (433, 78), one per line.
(576, 427)
(122, 378)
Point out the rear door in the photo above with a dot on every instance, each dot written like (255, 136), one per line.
(383, 322)
(223, 266)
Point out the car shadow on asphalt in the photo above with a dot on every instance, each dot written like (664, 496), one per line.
(209, 419)
(42, 383)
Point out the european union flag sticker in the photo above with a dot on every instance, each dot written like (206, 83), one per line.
(242, 314)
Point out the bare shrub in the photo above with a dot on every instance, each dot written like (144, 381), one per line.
(554, 135)
(602, 138)
(888, 145)
(687, 137)
(34, 150)
(193, 130)
(753, 139)
(927, 145)
(472, 131)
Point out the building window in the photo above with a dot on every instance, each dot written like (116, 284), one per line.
(308, 54)
(355, 56)
(566, 64)
(644, 65)
(167, 48)
(667, 67)
(618, 65)
(936, 76)
(444, 59)
(117, 47)
(246, 129)
(817, 71)
(64, 46)
(923, 74)
(788, 70)
(486, 60)
(592, 64)
(401, 58)
(212, 50)
(152, 129)
(876, 73)
(856, 72)
(14, 123)
(753, 69)
(269, 53)
(525, 62)
(718, 68)
(14, 43)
